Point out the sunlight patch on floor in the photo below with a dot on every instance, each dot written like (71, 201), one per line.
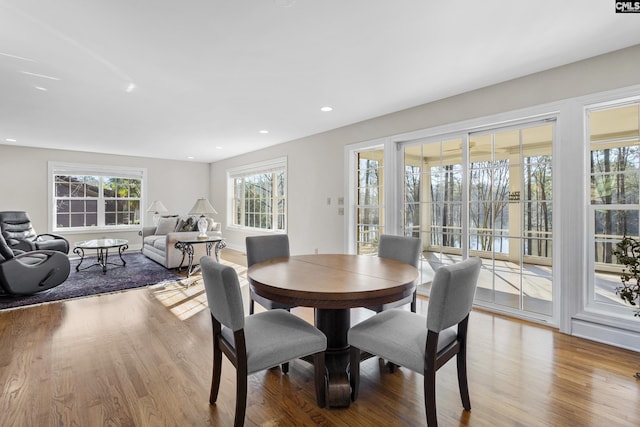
(186, 297)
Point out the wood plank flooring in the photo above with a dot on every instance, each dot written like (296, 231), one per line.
(125, 360)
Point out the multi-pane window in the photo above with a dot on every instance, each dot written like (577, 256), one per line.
(370, 179)
(259, 196)
(433, 194)
(84, 198)
(614, 164)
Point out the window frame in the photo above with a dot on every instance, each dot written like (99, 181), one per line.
(101, 171)
(364, 243)
(592, 306)
(274, 166)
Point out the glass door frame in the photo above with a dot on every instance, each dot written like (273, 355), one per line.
(465, 135)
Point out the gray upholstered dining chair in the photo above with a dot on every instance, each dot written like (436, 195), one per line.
(403, 249)
(256, 342)
(263, 248)
(423, 344)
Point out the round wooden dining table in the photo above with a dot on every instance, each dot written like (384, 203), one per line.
(333, 284)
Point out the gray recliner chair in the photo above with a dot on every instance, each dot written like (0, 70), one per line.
(19, 233)
(25, 273)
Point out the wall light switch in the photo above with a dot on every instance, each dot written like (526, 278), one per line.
(340, 211)
(341, 201)
(328, 200)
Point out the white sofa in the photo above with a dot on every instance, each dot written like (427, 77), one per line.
(159, 242)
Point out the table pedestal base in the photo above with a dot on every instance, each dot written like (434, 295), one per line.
(334, 323)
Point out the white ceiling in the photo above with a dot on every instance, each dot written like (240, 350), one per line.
(210, 74)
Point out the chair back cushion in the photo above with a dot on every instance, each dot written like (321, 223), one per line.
(262, 248)
(5, 251)
(16, 225)
(452, 292)
(400, 248)
(166, 225)
(223, 293)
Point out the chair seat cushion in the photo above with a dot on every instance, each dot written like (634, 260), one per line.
(399, 336)
(277, 336)
(156, 241)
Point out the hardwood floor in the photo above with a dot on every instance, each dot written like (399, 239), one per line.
(126, 360)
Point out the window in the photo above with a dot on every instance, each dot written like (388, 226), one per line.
(259, 195)
(87, 197)
(614, 164)
(370, 204)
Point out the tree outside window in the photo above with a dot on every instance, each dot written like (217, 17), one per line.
(259, 196)
(84, 198)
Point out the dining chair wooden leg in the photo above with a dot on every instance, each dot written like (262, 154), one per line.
(461, 361)
(462, 381)
(217, 367)
(241, 396)
(285, 367)
(354, 371)
(413, 303)
(215, 377)
(320, 378)
(430, 397)
(251, 305)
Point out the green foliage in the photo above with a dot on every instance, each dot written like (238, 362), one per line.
(627, 253)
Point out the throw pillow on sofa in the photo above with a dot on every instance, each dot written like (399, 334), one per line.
(211, 224)
(166, 225)
(189, 224)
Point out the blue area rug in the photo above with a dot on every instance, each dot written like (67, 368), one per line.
(140, 271)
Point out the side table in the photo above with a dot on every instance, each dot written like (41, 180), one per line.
(186, 247)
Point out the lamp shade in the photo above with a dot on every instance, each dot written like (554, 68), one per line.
(157, 207)
(202, 207)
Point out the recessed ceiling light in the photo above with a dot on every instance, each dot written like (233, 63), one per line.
(264, 131)
(130, 88)
(190, 157)
(10, 140)
(326, 109)
(44, 89)
(218, 148)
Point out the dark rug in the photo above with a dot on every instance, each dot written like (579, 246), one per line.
(139, 271)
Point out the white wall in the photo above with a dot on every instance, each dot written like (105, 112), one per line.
(23, 184)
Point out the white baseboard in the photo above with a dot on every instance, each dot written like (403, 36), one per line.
(606, 335)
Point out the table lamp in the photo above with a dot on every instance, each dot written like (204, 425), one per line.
(157, 208)
(202, 208)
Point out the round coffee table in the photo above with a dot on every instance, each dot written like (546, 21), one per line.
(102, 247)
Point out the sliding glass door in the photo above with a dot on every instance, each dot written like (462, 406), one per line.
(487, 194)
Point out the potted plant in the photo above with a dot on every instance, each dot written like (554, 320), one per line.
(627, 253)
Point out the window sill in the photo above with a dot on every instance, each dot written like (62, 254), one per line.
(89, 230)
(254, 230)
